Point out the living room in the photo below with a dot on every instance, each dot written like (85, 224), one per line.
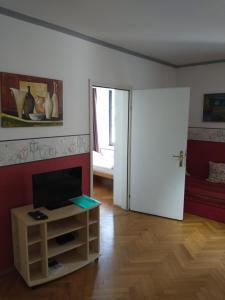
(42, 49)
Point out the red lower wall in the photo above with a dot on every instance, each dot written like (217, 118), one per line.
(199, 153)
(16, 190)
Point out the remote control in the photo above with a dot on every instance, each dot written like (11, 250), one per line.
(37, 215)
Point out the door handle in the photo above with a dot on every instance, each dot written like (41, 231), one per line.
(180, 158)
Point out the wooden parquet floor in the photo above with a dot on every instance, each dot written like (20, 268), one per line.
(142, 257)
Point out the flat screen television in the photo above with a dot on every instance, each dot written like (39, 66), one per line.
(55, 189)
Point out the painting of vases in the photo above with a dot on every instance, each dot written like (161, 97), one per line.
(30, 101)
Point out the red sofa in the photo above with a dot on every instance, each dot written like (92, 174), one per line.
(204, 198)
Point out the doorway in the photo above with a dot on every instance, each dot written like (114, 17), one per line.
(109, 136)
(156, 143)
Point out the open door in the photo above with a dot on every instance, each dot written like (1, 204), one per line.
(121, 148)
(158, 147)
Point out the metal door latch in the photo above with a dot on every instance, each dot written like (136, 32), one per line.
(180, 157)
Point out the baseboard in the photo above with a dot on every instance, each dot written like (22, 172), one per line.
(205, 211)
(3, 273)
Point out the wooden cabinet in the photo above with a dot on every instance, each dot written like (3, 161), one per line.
(34, 242)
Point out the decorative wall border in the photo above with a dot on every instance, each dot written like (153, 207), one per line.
(20, 151)
(28, 150)
(206, 134)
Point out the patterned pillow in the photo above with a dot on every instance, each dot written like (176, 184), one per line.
(216, 172)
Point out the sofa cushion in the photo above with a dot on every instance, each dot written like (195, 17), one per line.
(216, 172)
(200, 190)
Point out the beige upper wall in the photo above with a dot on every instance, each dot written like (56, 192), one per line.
(30, 49)
(202, 80)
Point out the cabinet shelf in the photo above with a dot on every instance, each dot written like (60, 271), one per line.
(63, 226)
(35, 259)
(93, 215)
(34, 242)
(70, 260)
(36, 271)
(33, 234)
(93, 255)
(36, 275)
(56, 249)
(93, 247)
(93, 221)
(34, 253)
(92, 237)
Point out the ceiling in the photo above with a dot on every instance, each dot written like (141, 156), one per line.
(178, 32)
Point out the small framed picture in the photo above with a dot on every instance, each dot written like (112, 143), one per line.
(214, 108)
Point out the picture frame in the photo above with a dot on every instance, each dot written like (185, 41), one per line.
(214, 107)
(28, 101)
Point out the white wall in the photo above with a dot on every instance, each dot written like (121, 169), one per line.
(202, 79)
(33, 50)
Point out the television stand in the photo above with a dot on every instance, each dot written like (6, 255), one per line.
(35, 245)
(56, 205)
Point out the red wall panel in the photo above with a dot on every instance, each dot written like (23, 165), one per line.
(16, 190)
(199, 153)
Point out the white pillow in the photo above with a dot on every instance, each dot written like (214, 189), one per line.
(216, 172)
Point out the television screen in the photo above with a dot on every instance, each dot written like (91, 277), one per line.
(54, 189)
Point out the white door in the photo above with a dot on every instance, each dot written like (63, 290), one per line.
(158, 135)
(121, 100)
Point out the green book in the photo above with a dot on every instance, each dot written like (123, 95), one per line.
(85, 201)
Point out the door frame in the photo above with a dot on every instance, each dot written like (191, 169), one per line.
(92, 84)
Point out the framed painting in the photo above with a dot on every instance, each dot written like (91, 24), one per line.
(214, 107)
(30, 101)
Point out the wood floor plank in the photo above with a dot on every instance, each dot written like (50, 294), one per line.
(142, 257)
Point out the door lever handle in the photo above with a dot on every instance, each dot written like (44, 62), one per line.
(180, 157)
